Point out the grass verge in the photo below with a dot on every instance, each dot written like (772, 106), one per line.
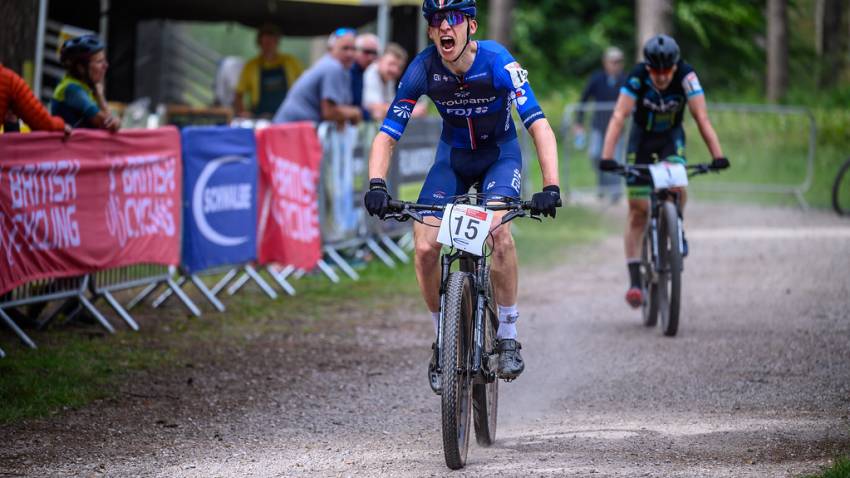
(839, 469)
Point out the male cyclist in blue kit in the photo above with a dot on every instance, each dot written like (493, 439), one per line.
(657, 91)
(473, 84)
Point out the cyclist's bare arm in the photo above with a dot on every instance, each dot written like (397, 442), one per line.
(379, 157)
(622, 110)
(547, 150)
(700, 113)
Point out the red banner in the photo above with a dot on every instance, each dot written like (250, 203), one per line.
(289, 157)
(93, 201)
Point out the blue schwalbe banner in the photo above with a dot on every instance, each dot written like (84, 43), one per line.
(219, 197)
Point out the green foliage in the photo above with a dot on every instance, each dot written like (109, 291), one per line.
(841, 469)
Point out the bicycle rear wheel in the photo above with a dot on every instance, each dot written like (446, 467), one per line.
(648, 282)
(456, 355)
(670, 275)
(485, 396)
(841, 190)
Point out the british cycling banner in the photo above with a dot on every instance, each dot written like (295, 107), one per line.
(220, 208)
(289, 156)
(93, 201)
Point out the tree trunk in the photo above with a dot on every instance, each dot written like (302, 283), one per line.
(18, 24)
(832, 41)
(501, 20)
(653, 17)
(777, 49)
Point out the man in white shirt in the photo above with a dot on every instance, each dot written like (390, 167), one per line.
(379, 82)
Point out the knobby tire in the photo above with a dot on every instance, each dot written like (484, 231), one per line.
(670, 279)
(485, 396)
(456, 356)
(841, 190)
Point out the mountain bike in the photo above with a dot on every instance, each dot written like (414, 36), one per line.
(662, 247)
(466, 340)
(841, 190)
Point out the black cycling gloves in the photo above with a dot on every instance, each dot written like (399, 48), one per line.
(377, 200)
(719, 163)
(546, 201)
(608, 165)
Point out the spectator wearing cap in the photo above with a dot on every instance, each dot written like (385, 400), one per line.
(367, 48)
(267, 78)
(379, 82)
(79, 98)
(17, 100)
(323, 92)
(603, 87)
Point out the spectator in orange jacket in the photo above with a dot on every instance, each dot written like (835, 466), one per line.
(16, 98)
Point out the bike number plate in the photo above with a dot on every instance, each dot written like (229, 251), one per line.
(465, 227)
(667, 175)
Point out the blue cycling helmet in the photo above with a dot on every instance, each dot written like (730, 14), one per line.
(80, 49)
(430, 7)
(661, 52)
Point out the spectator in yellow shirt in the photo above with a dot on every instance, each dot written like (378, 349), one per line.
(267, 78)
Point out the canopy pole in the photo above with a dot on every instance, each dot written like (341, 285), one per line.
(39, 47)
(384, 22)
(104, 21)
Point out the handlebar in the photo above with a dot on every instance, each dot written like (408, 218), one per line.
(403, 210)
(641, 169)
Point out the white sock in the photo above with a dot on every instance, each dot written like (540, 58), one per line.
(507, 322)
(435, 316)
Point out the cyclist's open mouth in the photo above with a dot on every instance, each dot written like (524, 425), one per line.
(447, 43)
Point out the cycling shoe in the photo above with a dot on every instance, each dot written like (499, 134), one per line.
(510, 360)
(434, 378)
(634, 297)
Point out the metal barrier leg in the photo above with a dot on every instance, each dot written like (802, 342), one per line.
(183, 297)
(328, 271)
(374, 247)
(800, 199)
(238, 283)
(261, 282)
(141, 296)
(166, 293)
(299, 274)
(116, 306)
(17, 330)
(206, 292)
(339, 261)
(96, 314)
(394, 248)
(280, 277)
(406, 241)
(222, 283)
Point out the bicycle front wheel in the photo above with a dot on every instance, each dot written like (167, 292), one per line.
(670, 275)
(648, 282)
(841, 190)
(485, 396)
(456, 355)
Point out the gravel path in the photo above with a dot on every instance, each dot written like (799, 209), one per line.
(756, 384)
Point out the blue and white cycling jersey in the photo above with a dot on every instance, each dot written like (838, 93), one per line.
(475, 107)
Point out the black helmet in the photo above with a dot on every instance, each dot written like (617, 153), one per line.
(661, 52)
(79, 48)
(430, 7)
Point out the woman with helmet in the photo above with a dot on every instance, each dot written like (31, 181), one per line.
(474, 85)
(79, 98)
(656, 90)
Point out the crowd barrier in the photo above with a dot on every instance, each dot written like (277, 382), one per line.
(152, 211)
(757, 138)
